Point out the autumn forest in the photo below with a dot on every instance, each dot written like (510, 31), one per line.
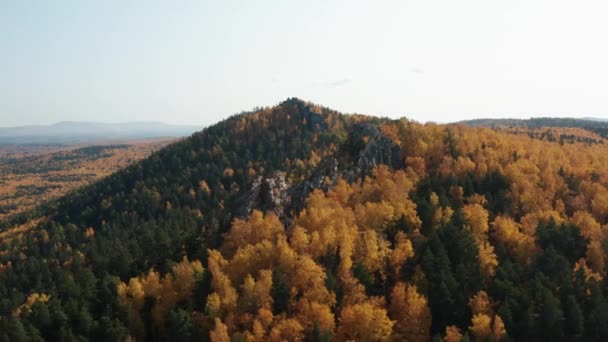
(299, 223)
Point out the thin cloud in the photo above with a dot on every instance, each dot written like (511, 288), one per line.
(340, 83)
(417, 70)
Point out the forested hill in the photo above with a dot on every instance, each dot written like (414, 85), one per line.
(597, 126)
(299, 223)
(149, 215)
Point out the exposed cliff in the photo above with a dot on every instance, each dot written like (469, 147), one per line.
(275, 193)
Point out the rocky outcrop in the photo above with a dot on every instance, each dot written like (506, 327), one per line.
(267, 194)
(276, 194)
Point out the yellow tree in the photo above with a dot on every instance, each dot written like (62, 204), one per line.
(589, 227)
(220, 281)
(299, 240)
(286, 329)
(184, 274)
(484, 322)
(262, 323)
(599, 203)
(256, 228)
(401, 253)
(311, 313)
(411, 312)
(250, 259)
(481, 326)
(364, 322)
(452, 334)
(508, 233)
(477, 220)
(213, 305)
(373, 251)
(219, 332)
(488, 261)
(307, 278)
(498, 328)
(166, 292)
(263, 288)
(480, 303)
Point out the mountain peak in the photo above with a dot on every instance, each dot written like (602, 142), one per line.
(294, 101)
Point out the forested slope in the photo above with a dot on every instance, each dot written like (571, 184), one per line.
(599, 127)
(299, 223)
(31, 177)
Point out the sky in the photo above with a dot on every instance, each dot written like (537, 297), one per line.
(197, 62)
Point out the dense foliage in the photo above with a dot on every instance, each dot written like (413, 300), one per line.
(482, 234)
(599, 127)
(32, 175)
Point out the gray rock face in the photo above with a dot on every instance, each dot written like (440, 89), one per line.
(267, 194)
(251, 199)
(276, 194)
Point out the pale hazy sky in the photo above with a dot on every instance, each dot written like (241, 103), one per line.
(196, 62)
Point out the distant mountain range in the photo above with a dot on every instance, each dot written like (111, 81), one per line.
(595, 119)
(74, 132)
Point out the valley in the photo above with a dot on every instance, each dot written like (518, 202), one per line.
(33, 174)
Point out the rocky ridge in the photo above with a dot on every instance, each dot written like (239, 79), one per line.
(275, 193)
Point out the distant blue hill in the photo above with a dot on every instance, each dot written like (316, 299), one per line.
(74, 132)
(595, 119)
